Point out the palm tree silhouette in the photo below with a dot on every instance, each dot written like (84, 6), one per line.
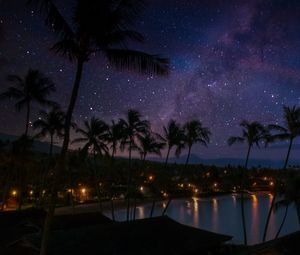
(114, 136)
(288, 132)
(150, 143)
(50, 123)
(253, 133)
(98, 27)
(291, 196)
(34, 87)
(174, 137)
(195, 133)
(133, 126)
(94, 135)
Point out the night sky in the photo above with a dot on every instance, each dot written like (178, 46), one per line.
(230, 60)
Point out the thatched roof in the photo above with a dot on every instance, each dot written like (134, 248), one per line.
(160, 235)
(93, 233)
(14, 225)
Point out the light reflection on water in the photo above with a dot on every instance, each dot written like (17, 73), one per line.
(222, 215)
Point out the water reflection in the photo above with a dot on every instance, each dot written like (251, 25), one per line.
(222, 214)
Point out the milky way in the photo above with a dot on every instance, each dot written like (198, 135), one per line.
(230, 60)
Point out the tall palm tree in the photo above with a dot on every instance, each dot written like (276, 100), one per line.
(133, 126)
(195, 133)
(94, 135)
(50, 123)
(288, 132)
(34, 87)
(252, 134)
(174, 137)
(98, 27)
(291, 195)
(150, 143)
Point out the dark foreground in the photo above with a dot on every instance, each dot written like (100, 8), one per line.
(93, 233)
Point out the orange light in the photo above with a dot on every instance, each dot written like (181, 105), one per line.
(150, 178)
(14, 193)
(83, 191)
(271, 183)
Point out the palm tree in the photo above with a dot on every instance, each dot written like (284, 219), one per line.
(252, 134)
(133, 126)
(114, 136)
(288, 132)
(34, 87)
(174, 137)
(50, 123)
(150, 143)
(94, 135)
(98, 27)
(195, 133)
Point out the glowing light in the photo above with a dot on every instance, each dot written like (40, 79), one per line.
(14, 193)
(254, 184)
(165, 194)
(254, 198)
(83, 191)
(150, 178)
(215, 184)
(141, 188)
(271, 183)
(31, 192)
(265, 178)
(196, 190)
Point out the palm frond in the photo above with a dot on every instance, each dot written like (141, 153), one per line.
(141, 62)
(53, 18)
(235, 139)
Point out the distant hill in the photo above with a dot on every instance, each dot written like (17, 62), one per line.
(38, 146)
(195, 159)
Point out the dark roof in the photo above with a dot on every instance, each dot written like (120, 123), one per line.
(286, 245)
(160, 235)
(14, 225)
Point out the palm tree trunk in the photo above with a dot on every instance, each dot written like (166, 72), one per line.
(61, 160)
(283, 220)
(51, 145)
(112, 209)
(275, 192)
(129, 181)
(298, 212)
(242, 196)
(152, 208)
(167, 157)
(165, 209)
(97, 182)
(181, 173)
(188, 156)
(27, 118)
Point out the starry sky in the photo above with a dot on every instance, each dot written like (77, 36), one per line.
(230, 60)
